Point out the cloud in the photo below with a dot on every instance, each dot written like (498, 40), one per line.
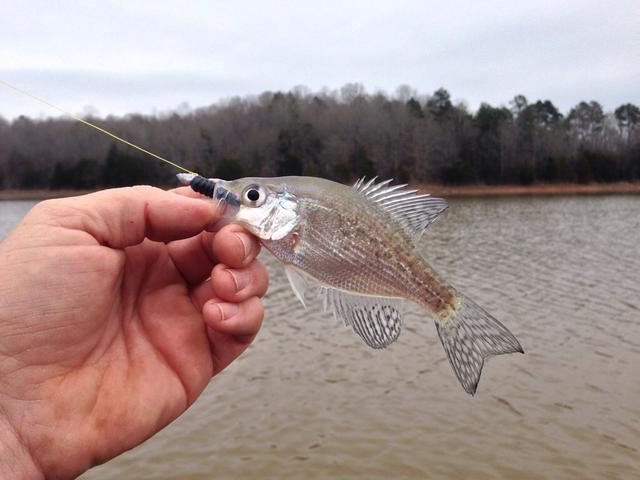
(148, 56)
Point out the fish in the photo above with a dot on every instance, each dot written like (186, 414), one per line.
(357, 247)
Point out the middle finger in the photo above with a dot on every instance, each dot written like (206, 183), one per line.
(238, 284)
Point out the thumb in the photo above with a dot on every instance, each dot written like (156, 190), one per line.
(123, 217)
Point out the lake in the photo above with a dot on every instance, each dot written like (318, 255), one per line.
(310, 400)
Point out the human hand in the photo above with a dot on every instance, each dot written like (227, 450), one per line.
(110, 326)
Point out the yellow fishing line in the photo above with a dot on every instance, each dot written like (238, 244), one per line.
(81, 120)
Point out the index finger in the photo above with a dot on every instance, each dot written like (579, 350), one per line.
(123, 217)
(187, 192)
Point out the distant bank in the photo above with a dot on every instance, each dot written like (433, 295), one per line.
(536, 189)
(442, 190)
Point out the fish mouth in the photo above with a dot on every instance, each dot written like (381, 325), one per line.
(215, 188)
(221, 193)
(227, 203)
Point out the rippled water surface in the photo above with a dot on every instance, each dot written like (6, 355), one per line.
(310, 400)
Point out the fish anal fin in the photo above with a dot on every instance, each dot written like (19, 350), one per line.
(377, 320)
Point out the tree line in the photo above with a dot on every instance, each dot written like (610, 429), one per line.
(341, 135)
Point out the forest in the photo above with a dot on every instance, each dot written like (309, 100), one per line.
(339, 134)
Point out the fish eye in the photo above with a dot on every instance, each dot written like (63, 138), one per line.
(254, 196)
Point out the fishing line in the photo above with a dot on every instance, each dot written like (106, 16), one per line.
(81, 120)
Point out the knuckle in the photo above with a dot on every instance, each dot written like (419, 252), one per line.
(46, 206)
(51, 211)
(141, 189)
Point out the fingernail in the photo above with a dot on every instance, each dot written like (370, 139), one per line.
(241, 278)
(227, 310)
(246, 243)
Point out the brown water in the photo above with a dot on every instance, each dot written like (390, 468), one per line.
(310, 400)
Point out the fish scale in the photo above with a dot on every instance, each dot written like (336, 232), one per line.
(363, 253)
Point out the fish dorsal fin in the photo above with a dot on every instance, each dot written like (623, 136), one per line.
(376, 320)
(302, 284)
(415, 211)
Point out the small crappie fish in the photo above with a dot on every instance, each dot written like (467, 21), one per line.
(357, 246)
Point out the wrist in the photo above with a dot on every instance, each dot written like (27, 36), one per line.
(15, 459)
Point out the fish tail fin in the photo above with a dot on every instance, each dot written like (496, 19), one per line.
(469, 336)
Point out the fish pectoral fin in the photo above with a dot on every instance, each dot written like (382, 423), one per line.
(415, 211)
(377, 320)
(302, 284)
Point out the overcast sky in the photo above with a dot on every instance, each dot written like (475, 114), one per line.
(151, 56)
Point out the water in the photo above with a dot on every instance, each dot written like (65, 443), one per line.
(309, 400)
(11, 213)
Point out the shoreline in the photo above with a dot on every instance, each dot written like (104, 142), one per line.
(535, 189)
(475, 190)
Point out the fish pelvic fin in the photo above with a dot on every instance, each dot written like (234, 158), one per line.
(470, 336)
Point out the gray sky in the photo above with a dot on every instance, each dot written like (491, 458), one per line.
(150, 56)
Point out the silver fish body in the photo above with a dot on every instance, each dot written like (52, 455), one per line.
(347, 242)
(357, 247)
